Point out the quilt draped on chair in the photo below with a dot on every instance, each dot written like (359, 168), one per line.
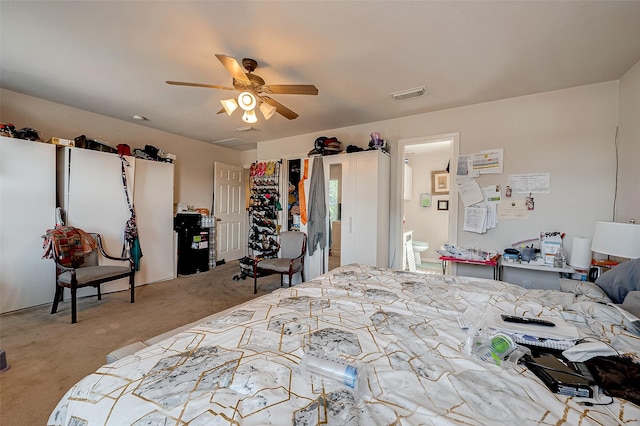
(67, 244)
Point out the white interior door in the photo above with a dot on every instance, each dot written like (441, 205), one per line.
(228, 210)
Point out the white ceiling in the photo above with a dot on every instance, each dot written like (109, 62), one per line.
(113, 57)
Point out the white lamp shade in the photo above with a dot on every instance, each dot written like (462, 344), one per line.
(249, 117)
(267, 110)
(616, 239)
(247, 101)
(229, 105)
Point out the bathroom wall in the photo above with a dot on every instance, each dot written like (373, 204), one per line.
(428, 223)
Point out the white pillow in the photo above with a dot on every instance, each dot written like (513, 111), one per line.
(584, 288)
(631, 303)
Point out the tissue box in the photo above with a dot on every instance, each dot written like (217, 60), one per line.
(550, 243)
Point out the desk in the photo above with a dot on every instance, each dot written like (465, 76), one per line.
(535, 267)
(494, 261)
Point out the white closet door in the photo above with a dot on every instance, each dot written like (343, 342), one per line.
(364, 176)
(153, 202)
(27, 202)
(365, 209)
(96, 202)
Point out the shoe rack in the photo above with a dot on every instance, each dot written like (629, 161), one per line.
(264, 205)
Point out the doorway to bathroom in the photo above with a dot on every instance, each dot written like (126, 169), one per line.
(429, 200)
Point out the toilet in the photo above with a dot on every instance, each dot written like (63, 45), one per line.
(419, 247)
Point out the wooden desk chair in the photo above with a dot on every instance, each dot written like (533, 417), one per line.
(292, 246)
(76, 254)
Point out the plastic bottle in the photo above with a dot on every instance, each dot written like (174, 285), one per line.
(348, 374)
(558, 258)
(496, 349)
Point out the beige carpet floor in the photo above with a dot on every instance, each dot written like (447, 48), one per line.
(47, 354)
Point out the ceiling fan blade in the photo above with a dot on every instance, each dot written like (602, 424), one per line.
(280, 109)
(222, 111)
(233, 67)
(290, 89)
(210, 86)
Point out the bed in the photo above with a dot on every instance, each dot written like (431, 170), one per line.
(243, 367)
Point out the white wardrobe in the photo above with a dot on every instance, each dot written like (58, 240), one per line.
(364, 227)
(27, 210)
(91, 194)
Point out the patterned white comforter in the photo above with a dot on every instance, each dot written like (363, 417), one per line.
(243, 368)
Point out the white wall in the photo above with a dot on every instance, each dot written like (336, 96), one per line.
(193, 183)
(567, 133)
(628, 204)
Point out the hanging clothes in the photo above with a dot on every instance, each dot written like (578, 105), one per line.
(131, 242)
(317, 208)
(303, 201)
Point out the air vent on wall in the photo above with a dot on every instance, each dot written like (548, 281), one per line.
(404, 95)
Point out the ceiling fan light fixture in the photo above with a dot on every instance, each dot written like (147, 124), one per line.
(229, 105)
(247, 101)
(267, 110)
(254, 90)
(249, 117)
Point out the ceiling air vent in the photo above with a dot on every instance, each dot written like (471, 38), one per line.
(235, 143)
(404, 95)
(247, 129)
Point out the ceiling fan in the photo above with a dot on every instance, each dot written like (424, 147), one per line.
(251, 84)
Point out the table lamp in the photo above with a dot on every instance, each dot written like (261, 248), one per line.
(616, 239)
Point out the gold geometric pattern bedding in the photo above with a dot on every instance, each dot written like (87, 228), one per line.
(243, 368)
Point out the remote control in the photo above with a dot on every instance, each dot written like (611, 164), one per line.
(523, 320)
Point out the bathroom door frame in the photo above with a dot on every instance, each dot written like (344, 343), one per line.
(396, 224)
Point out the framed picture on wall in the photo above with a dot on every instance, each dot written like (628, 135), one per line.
(440, 182)
(443, 204)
